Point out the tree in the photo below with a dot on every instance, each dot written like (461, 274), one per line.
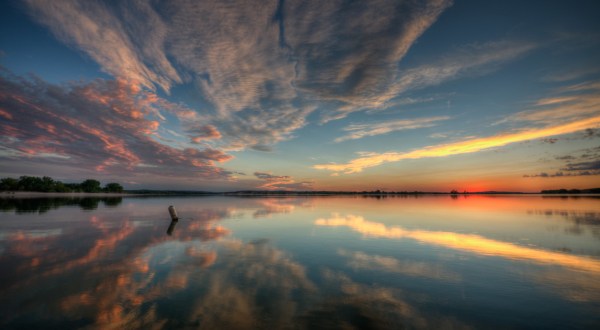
(47, 184)
(90, 186)
(61, 187)
(113, 187)
(9, 184)
(74, 187)
(30, 183)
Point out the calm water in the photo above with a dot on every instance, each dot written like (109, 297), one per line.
(324, 262)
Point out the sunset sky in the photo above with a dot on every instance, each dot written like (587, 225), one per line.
(302, 95)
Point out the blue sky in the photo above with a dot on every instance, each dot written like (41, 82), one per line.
(350, 95)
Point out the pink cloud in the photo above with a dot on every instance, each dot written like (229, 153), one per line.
(5, 114)
(205, 132)
(103, 125)
(281, 182)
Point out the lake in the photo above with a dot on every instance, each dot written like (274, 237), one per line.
(506, 262)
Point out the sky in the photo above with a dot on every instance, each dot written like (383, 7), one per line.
(302, 95)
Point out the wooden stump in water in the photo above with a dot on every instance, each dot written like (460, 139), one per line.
(173, 213)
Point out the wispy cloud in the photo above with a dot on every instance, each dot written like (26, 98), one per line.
(472, 60)
(462, 147)
(571, 73)
(567, 106)
(281, 182)
(358, 131)
(127, 41)
(102, 125)
(355, 59)
(578, 113)
(569, 103)
(260, 67)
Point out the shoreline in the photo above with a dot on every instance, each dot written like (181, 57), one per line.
(36, 194)
(26, 194)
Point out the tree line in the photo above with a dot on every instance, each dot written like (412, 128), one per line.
(572, 191)
(47, 184)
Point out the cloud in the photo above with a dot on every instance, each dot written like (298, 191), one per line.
(354, 59)
(585, 163)
(232, 57)
(113, 37)
(569, 103)
(561, 174)
(476, 59)
(591, 153)
(576, 71)
(592, 165)
(262, 69)
(358, 131)
(270, 177)
(462, 147)
(578, 113)
(591, 133)
(103, 125)
(281, 182)
(567, 157)
(204, 132)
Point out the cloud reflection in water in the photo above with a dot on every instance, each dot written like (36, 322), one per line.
(465, 242)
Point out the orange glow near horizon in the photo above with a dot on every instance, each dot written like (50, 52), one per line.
(471, 183)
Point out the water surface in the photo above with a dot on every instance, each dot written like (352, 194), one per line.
(307, 262)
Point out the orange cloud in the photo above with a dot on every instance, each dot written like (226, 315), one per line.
(281, 182)
(5, 114)
(465, 242)
(205, 132)
(462, 147)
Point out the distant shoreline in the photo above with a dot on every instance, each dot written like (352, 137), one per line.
(25, 194)
(251, 193)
